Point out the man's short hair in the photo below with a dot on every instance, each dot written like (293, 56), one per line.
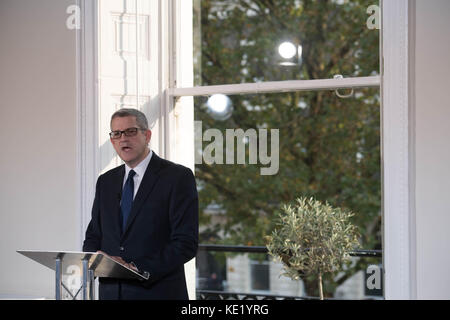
(141, 119)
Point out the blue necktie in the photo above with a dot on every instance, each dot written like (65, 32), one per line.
(127, 199)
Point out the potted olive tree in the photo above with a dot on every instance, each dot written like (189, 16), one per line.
(312, 238)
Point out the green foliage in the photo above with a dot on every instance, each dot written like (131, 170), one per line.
(312, 238)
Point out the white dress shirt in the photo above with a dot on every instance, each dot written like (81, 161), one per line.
(140, 171)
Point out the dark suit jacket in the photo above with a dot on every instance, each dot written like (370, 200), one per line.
(161, 233)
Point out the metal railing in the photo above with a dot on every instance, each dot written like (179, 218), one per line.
(262, 249)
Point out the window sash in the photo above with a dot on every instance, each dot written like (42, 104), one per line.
(278, 86)
(396, 79)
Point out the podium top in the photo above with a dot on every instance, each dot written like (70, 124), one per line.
(102, 265)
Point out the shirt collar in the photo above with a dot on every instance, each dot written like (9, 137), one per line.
(141, 167)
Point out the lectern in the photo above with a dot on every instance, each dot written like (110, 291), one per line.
(92, 265)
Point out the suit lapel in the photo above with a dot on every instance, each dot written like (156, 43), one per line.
(148, 182)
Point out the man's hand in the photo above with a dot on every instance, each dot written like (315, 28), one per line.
(121, 261)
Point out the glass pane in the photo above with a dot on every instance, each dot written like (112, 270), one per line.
(260, 277)
(257, 152)
(242, 41)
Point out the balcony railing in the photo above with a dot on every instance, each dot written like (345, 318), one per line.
(224, 295)
(262, 249)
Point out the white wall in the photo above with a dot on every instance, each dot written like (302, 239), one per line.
(38, 192)
(432, 123)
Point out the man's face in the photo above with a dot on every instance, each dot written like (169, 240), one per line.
(133, 149)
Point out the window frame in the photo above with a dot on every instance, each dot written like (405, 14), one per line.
(397, 126)
(396, 134)
(398, 158)
(88, 167)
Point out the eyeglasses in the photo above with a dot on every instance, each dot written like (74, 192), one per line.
(130, 132)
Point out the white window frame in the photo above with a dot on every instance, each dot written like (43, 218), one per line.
(394, 82)
(399, 231)
(88, 167)
(177, 106)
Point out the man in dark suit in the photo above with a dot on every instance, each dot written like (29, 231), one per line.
(145, 215)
